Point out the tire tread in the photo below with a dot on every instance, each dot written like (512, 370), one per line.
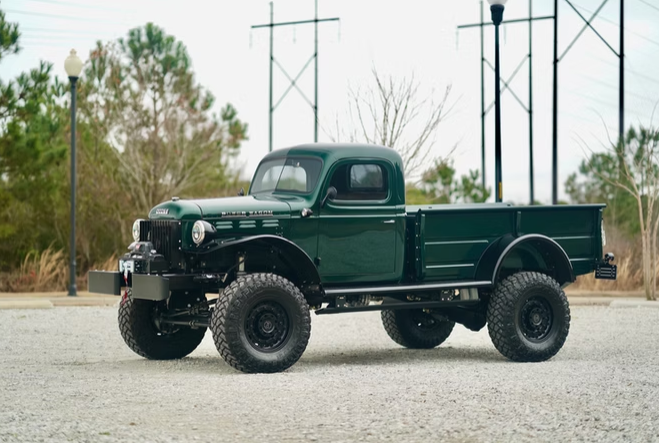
(225, 314)
(501, 311)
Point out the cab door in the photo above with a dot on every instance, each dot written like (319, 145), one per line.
(358, 229)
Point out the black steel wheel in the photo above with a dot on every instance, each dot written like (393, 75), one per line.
(267, 326)
(144, 335)
(528, 317)
(416, 329)
(261, 323)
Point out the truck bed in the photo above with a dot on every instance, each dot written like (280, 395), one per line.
(450, 239)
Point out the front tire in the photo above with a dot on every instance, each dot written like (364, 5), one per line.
(138, 327)
(416, 329)
(528, 317)
(261, 323)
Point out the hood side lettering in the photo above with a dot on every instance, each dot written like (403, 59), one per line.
(241, 214)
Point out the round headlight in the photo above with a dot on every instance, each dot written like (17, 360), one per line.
(198, 232)
(136, 229)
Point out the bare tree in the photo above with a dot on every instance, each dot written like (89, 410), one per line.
(393, 113)
(632, 165)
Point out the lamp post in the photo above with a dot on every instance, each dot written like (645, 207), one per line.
(73, 67)
(497, 7)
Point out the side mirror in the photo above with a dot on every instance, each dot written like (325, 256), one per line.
(241, 192)
(331, 195)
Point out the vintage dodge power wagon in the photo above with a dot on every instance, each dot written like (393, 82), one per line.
(325, 228)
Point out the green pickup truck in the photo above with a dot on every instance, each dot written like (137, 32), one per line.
(325, 227)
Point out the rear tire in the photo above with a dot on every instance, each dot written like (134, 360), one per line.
(261, 323)
(416, 329)
(528, 317)
(139, 330)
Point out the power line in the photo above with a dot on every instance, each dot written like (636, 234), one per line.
(655, 42)
(55, 37)
(64, 31)
(649, 4)
(600, 101)
(75, 5)
(64, 17)
(610, 86)
(643, 76)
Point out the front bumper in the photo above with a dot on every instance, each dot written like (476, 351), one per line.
(152, 287)
(105, 282)
(147, 287)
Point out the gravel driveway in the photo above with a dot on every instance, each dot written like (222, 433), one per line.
(66, 375)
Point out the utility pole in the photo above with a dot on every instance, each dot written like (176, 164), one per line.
(293, 80)
(531, 179)
(315, 57)
(621, 89)
(554, 142)
(497, 17)
(482, 99)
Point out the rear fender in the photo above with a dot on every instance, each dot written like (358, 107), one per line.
(529, 252)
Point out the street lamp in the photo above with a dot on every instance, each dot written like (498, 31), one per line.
(497, 7)
(73, 67)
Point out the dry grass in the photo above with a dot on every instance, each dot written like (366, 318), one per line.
(628, 258)
(47, 272)
(43, 272)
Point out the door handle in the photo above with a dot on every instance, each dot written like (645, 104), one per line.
(389, 222)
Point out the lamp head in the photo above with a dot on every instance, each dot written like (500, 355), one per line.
(497, 7)
(73, 65)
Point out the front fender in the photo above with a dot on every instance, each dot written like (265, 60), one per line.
(298, 266)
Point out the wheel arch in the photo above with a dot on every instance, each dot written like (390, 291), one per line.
(285, 258)
(531, 252)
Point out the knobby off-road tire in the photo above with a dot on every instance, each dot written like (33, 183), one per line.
(261, 323)
(138, 329)
(416, 329)
(528, 317)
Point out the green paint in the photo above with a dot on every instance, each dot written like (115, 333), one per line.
(368, 235)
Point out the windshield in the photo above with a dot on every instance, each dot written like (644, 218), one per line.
(293, 175)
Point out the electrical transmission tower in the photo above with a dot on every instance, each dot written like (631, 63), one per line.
(293, 80)
(556, 60)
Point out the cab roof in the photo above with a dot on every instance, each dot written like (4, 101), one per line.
(331, 152)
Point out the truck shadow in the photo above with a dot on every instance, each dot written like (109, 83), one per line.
(385, 357)
(381, 357)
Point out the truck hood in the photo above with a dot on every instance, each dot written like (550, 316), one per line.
(212, 208)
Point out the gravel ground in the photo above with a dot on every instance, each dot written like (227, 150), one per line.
(66, 375)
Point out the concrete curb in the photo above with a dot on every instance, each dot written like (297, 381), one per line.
(634, 304)
(26, 304)
(46, 303)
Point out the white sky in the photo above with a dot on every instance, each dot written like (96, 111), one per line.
(399, 38)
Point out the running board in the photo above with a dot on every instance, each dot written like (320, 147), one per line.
(401, 305)
(407, 288)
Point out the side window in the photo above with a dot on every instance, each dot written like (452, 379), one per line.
(366, 178)
(360, 181)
